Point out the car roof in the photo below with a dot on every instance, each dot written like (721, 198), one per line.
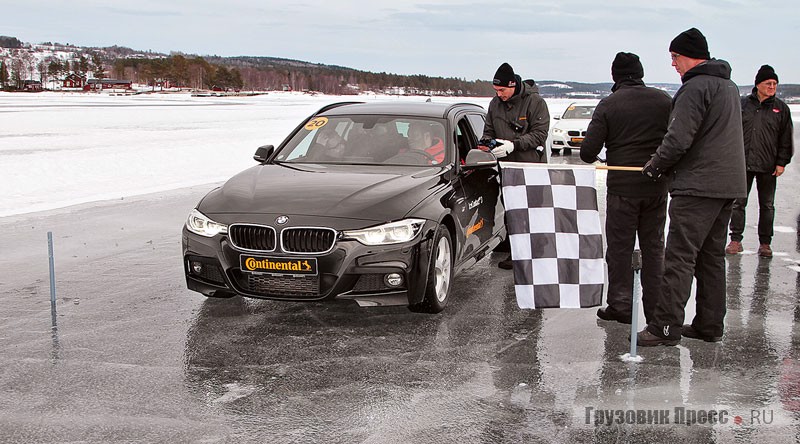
(585, 102)
(419, 109)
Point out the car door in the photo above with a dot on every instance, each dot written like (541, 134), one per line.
(478, 206)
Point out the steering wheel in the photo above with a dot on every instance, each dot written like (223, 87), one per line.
(413, 156)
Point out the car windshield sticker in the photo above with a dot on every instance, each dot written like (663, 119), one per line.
(316, 123)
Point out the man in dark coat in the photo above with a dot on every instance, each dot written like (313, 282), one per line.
(518, 120)
(703, 155)
(768, 148)
(631, 122)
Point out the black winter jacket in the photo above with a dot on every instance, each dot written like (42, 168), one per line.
(768, 133)
(527, 109)
(703, 148)
(631, 122)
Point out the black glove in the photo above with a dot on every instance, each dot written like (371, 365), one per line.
(651, 171)
(488, 143)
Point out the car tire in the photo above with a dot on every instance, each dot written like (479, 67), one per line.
(440, 274)
(555, 151)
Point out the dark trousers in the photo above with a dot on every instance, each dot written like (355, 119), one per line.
(625, 217)
(765, 183)
(695, 248)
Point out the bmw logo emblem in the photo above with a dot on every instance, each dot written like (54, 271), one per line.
(280, 220)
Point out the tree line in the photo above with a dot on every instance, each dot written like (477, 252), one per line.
(177, 71)
(239, 73)
(270, 73)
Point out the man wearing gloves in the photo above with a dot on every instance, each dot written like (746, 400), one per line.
(703, 155)
(518, 120)
(768, 147)
(630, 123)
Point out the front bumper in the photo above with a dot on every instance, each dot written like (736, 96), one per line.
(564, 140)
(350, 270)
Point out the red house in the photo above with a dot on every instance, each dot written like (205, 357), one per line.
(73, 81)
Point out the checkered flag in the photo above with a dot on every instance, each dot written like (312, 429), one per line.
(554, 227)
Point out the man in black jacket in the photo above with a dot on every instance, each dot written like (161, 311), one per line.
(703, 151)
(631, 123)
(768, 148)
(518, 120)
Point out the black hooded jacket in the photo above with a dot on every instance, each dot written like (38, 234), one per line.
(768, 133)
(527, 109)
(631, 122)
(703, 149)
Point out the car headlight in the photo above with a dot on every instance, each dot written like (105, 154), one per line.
(386, 234)
(198, 223)
(557, 131)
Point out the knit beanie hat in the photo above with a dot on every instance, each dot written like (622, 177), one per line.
(626, 65)
(505, 76)
(691, 43)
(766, 72)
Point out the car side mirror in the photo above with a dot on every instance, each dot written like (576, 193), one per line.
(478, 159)
(263, 153)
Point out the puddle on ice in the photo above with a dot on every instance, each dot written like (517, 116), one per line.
(234, 392)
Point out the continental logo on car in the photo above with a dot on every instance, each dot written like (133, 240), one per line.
(476, 226)
(278, 265)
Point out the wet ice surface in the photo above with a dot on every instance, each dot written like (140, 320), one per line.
(141, 359)
(488, 372)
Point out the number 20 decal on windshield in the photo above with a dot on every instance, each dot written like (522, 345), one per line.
(316, 123)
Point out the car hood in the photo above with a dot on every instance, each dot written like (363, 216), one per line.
(353, 192)
(572, 124)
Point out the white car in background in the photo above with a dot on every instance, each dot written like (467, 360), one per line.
(570, 128)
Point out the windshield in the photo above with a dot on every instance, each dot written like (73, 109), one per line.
(389, 140)
(579, 112)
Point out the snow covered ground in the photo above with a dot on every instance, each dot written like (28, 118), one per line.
(61, 149)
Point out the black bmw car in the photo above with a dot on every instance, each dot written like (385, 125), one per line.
(378, 203)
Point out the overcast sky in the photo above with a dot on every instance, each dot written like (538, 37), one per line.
(546, 40)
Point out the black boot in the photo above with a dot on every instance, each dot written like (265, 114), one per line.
(609, 315)
(689, 332)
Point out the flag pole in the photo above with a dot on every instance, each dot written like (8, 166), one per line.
(617, 168)
(636, 264)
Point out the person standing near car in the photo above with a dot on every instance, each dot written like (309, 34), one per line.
(768, 148)
(703, 154)
(631, 123)
(518, 120)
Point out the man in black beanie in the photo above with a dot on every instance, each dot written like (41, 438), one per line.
(518, 120)
(702, 154)
(631, 123)
(768, 148)
(690, 43)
